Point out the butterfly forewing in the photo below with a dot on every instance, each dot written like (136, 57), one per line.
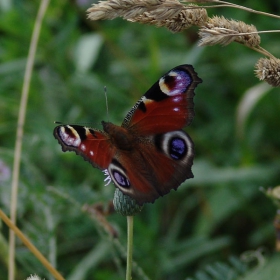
(92, 144)
(167, 105)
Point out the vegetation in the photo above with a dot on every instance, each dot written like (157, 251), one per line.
(218, 225)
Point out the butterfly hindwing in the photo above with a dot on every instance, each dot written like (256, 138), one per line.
(154, 167)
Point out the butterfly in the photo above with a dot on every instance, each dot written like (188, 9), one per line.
(149, 154)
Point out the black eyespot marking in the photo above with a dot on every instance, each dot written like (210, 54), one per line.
(118, 175)
(177, 145)
(175, 82)
(142, 107)
(155, 93)
(92, 133)
(121, 180)
(117, 164)
(80, 130)
(177, 148)
(170, 81)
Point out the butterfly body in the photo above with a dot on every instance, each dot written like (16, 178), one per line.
(119, 136)
(149, 154)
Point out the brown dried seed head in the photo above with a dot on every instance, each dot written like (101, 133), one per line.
(198, 1)
(121, 8)
(250, 40)
(164, 12)
(215, 36)
(268, 69)
(110, 9)
(219, 30)
(176, 21)
(197, 16)
(169, 13)
(186, 18)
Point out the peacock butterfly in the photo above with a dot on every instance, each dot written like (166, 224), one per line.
(149, 154)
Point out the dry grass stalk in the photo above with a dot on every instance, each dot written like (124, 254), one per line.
(179, 21)
(220, 4)
(177, 16)
(168, 13)
(198, 1)
(269, 71)
(219, 30)
(121, 8)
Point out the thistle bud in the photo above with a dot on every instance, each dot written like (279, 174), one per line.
(125, 205)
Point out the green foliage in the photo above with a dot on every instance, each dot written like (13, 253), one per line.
(189, 233)
(224, 271)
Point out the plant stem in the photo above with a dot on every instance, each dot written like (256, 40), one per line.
(246, 9)
(129, 247)
(222, 4)
(30, 246)
(19, 135)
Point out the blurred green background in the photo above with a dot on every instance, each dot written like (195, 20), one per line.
(193, 233)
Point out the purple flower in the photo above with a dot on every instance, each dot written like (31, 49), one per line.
(5, 172)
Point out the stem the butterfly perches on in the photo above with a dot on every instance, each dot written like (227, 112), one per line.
(129, 247)
(127, 206)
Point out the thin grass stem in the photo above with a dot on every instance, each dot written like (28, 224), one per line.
(129, 247)
(30, 246)
(19, 132)
(246, 9)
(222, 4)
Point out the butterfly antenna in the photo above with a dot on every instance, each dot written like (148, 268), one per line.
(107, 107)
